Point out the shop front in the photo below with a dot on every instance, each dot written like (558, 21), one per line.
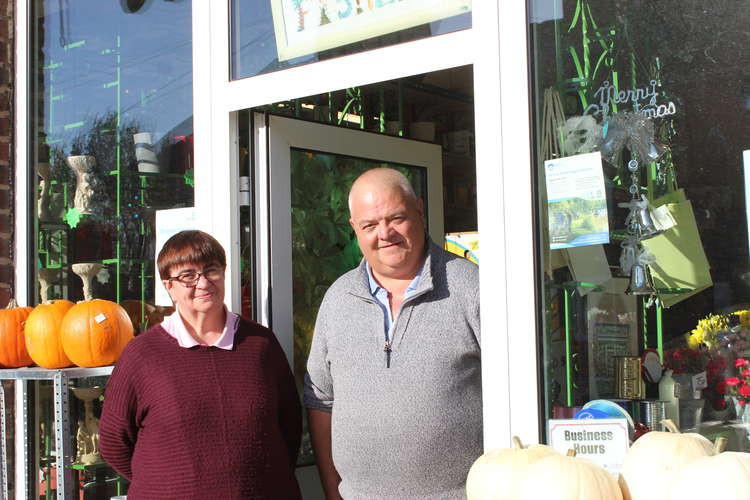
(594, 154)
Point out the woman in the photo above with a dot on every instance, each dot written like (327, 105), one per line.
(204, 404)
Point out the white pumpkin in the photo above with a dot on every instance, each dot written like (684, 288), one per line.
(726, 475)
(568, 478)
(497, 474)
(655, 458)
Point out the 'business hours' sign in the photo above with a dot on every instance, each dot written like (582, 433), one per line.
(603, 441)
(307, 26)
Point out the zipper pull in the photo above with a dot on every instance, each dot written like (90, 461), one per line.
(387, 350)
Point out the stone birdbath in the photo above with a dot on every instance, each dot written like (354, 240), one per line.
(87, 437)
(86, 271)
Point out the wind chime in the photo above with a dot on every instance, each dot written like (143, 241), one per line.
(636, 132)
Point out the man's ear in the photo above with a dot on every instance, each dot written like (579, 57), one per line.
(420, 209)
(351, 223)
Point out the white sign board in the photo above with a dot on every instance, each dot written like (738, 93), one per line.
(603, 441)
(307, 26)
(168, 223)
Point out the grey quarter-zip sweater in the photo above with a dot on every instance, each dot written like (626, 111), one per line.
(409, 427)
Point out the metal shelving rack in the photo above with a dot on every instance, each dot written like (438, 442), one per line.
(64, 454)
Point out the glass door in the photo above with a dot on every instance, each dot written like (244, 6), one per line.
(303, 173)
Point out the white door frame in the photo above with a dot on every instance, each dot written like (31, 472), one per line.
(497, 47)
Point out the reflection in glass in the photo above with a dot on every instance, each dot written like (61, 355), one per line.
(109, 80)
(111, 143)
(323, 244)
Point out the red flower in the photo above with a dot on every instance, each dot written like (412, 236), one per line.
(719, 404)
(732, 381)
(740, 362)
(741, 402)
(744, 390)
(746, 373)
(721, 387)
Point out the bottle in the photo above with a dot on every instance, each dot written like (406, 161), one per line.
(668, 393)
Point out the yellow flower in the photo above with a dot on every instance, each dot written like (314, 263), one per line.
(707, 328)
(694, 340)
(744, 317)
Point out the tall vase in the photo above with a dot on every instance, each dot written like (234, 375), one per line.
(743, 416)
(83, 167)
(144, 153)
(44, 171)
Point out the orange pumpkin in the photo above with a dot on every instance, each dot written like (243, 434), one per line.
(12, 345)
(43, 334)
(94, 333)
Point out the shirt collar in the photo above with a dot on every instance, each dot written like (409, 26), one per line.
(175, 326)
(375, 287)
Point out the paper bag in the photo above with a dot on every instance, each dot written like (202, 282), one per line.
(680, 259)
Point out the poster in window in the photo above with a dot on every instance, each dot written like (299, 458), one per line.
(308, 26)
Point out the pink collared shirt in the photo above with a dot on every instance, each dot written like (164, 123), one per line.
(174, 326)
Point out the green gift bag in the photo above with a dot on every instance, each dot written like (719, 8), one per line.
(680, 262)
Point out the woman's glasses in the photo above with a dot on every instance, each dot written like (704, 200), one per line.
(189, 279)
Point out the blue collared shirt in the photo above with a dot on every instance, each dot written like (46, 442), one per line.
(380, 295)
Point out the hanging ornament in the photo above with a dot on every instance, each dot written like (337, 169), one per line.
(634, 258)
(632, 130)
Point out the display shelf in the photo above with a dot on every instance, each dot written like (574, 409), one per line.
(64, 453)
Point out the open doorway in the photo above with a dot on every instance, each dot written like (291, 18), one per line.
(299, 158)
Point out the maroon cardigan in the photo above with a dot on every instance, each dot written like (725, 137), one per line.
(203, 422)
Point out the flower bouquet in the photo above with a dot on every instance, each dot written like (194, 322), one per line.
(739, 387)
(723, 338)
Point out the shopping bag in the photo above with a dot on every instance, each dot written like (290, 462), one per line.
(680, 262)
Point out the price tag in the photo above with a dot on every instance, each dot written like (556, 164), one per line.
(699, 381)
(100, 317)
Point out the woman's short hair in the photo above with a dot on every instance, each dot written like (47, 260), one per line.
(189, 247)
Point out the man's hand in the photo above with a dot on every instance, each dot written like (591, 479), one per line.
(320, 433)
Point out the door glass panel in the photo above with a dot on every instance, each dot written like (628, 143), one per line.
(323, 244)
(278, 34)
(665, 117)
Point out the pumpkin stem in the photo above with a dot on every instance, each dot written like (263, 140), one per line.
(670, 426)
(12, 304)
(720, 445)
(571, 453)
(517, 444)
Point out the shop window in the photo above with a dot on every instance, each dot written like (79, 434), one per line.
(278, 34)
(110, 146)
(641, 159)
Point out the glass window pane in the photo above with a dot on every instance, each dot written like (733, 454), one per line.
(640, 131)
(278, 34)
(111, 143)
(111, 113)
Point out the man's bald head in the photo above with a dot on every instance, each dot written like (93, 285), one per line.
(388, 220)
(385, 179)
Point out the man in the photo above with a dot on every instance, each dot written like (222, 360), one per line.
(393, 388)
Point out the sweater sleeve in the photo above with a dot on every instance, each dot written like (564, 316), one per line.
(318, 390)
(290, 410)
(117, 428)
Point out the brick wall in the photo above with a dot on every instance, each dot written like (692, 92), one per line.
(7, 165)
